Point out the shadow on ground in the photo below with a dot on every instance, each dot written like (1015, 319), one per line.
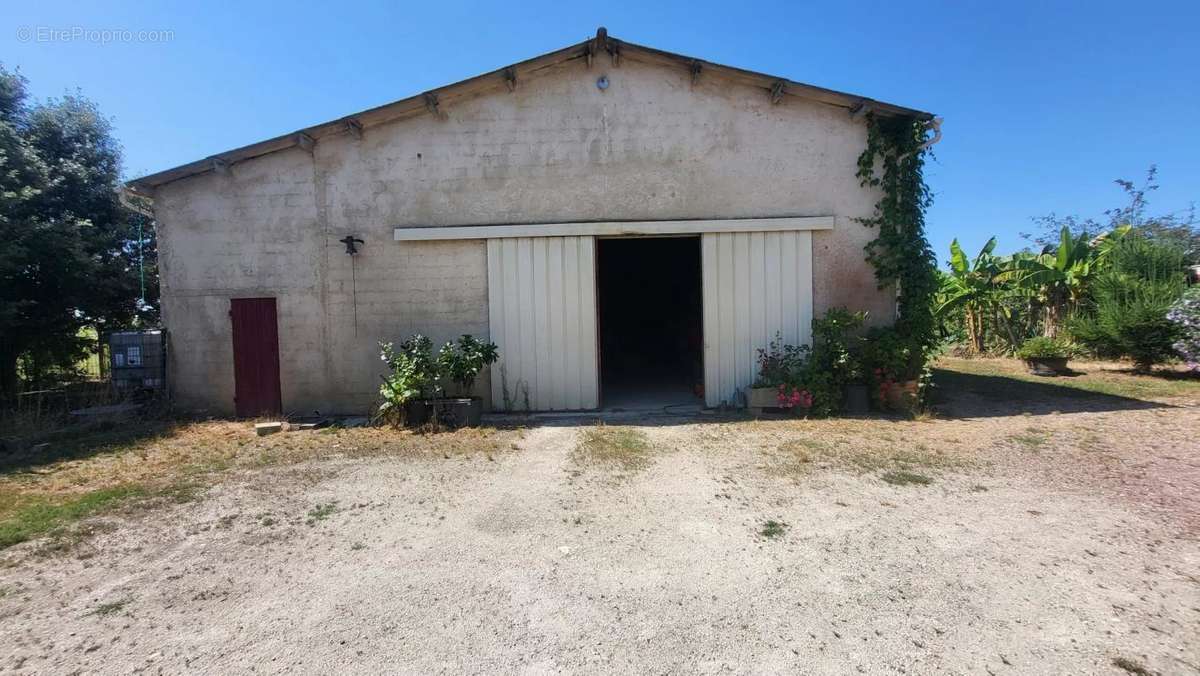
(26, 452)
(971, 395)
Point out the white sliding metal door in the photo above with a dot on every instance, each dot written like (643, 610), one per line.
(755, 284)
(542, 314)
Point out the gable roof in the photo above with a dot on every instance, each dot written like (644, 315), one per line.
(509, 77)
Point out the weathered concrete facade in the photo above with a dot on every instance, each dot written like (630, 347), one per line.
(655, 145)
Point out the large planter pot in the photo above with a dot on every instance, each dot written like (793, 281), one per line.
(759, 398)
(857, 401)
(902, 396)
(417, 412)
(452, 412)
(1046, 366)
(460, 411)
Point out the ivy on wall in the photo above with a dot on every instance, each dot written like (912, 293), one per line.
(893, 162)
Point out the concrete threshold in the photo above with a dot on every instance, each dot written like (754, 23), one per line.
(604, 415)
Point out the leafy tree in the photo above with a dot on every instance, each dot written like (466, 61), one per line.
(1133, 295)
(1179, 228)
(65, 260)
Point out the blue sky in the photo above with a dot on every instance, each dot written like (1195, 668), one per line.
(1045, 102)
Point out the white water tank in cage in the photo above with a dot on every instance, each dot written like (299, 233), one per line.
(138, 359)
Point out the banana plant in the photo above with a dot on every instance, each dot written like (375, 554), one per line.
(1059, 276)
(972, 286)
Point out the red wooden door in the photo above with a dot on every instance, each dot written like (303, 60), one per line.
(255, 357)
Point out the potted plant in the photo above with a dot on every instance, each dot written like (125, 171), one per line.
(778, 367)
(1044, 356)
(895, 366)
(857, 399)
(837, 351)
(460, 362)
(794, 398)
(412, 381)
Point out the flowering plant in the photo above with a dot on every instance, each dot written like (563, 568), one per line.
(1185, 313)
(780, 363)
(797, 397)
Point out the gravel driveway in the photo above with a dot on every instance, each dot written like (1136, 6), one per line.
(1019, 557)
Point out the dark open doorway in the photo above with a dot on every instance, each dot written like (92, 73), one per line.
(650, 307)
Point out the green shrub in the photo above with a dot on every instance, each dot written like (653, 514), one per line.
(1133, 295)
(1042, 347)
(461, 362)
(413, 375)
(836, 348)
(813, 380)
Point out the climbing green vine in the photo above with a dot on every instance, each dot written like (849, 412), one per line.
(893, 162)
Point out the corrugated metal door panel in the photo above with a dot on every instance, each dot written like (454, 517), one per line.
(589, 367)
(556, 320)
(542, 316)
(755, 285)
(709, 281)
(541, 326)
(255, 357)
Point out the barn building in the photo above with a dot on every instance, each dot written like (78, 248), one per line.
(627, 224)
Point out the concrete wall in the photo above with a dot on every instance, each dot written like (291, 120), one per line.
(556, 150)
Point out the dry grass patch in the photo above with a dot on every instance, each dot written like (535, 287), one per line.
(622, 448)
(860, 453)
(44, 492)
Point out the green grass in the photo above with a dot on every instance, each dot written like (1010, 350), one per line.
(111, 607)
(773, 529)
(1033, 439)
(321, 512)
(902, 477)
(1087, 378)
(1132, 666)
(36, 516)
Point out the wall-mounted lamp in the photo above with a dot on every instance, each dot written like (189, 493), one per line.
(350, 241)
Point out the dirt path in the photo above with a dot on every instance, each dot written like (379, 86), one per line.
(542, 561)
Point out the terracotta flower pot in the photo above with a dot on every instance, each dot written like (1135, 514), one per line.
(902, 396)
